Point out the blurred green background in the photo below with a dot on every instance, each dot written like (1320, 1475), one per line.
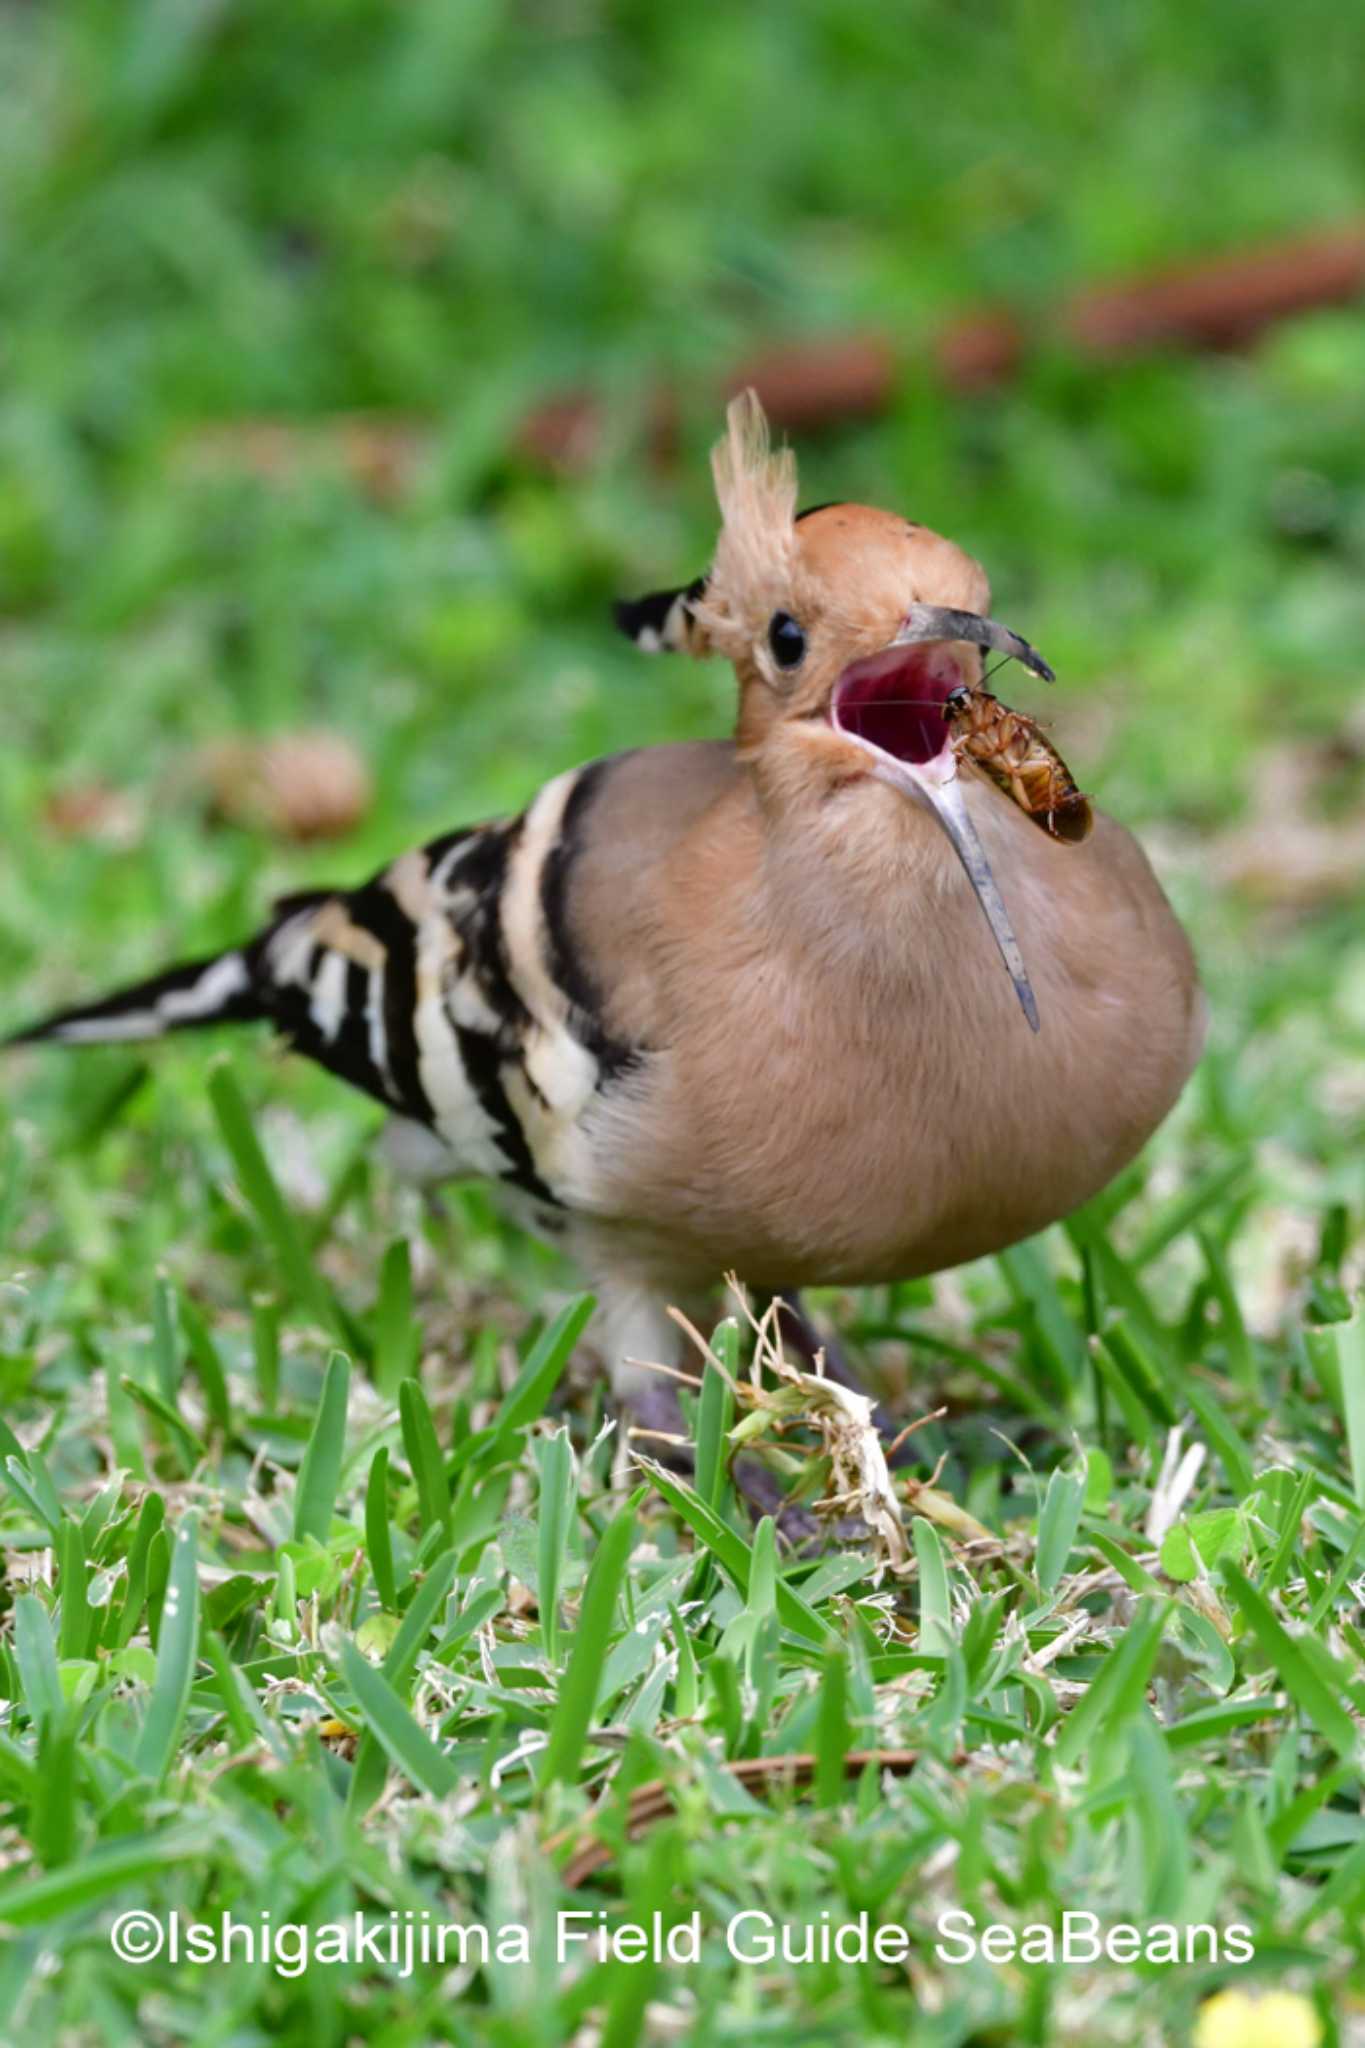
(226, 230)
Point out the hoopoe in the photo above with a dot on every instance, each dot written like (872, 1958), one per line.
(734, 1004)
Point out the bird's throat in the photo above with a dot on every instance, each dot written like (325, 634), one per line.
(895, 701)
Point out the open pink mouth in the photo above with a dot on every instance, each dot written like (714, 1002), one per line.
(895, 701)
(894, 705)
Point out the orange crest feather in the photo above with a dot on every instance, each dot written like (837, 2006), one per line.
(751, 574)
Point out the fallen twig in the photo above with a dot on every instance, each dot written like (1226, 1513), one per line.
(654, 1801)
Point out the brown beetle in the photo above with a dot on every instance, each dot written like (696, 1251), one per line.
(1020, 760)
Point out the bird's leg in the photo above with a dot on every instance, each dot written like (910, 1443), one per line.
(653, 1419)
(638, 1337)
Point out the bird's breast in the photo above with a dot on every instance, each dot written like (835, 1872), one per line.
(848, 1091)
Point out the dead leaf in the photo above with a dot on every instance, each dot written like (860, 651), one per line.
(299, 786)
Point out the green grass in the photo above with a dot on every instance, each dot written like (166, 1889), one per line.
(321, 1589)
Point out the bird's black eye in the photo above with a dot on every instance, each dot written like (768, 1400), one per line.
(786, 640)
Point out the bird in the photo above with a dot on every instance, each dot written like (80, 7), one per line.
(816, 1004)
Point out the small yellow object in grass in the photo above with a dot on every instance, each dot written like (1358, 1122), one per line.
(1240, 2019)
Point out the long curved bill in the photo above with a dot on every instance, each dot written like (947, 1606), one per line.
(936, 783)
(950, 807)
(941, 622)
(935, 780)
(943, 792)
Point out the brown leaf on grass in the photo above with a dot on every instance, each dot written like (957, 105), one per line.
(94, 811)
(298, 786)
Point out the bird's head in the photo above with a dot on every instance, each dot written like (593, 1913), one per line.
(849, 630)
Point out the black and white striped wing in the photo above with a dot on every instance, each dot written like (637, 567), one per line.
(443, 988)
(448, 986)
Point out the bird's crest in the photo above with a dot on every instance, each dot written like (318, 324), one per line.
(751, 572)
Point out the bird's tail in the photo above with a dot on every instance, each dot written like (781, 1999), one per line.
(219, 990)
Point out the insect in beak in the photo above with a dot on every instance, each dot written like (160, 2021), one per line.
(895, 704)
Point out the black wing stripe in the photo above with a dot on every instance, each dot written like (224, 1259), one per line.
(476, 886)
(482, 1062)
(476, 915)
(376, 910)
(568, 969)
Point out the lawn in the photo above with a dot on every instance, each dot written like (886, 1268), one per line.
(324, 1588)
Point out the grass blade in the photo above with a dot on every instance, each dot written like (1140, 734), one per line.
(378, 1536)
(150, 1519)
(1182, 1213)
(1058, 1342)
(44, 1491)
(936, 1633)
(53, 1822)
(1240, 1356)
(158, 1576)
(1345, 1345)
(265, 1350)
(1299, 1677)
(397, 1336)
(715, 1414)
(529, 1393)
(1140, 1367)
(423, 1451)
(245, 1715)
(732, 1552)
(1057, 1525)
(165, 1341)
(320, 1473)
(259, 1186)
(389, 1721)
(833, 1735)
(1232, 1452)
(79, 1621)
(28, 1901)
(578, 1690)
(1155, 1821)
(367, 1779)
(177, 1648)
(419, 1620)
(1118, 1688)
(36, 1655)
(208, 1366)
(192, 1447)
(554, 1456)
